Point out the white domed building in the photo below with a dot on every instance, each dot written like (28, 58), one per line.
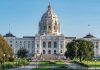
(49, 41)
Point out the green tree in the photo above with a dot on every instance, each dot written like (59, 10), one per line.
(22, 53)
(81, 49)
(5, 49)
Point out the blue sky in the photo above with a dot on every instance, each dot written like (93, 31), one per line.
(74, 16)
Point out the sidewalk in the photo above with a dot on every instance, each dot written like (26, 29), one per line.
(94, 68)
(74, 66)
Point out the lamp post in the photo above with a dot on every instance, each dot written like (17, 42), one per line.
(3, 61)
(13, 58)
(8, 59)
(95, 64)
(16, 61)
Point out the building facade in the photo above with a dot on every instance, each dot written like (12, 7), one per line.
(49, 39)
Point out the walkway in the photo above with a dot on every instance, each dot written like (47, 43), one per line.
(29, 67)
(74, 66)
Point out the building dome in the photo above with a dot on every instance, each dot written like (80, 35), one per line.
(49, 23)
(89, 36)
(9, 35)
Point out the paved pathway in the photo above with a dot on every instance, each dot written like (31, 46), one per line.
(32, 65)
(74, 66)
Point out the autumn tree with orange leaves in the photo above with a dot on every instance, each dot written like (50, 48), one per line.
(5, 49)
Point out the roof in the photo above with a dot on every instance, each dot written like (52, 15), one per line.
(70, 37)
(89, 36)
(9, 35)
(28, 37)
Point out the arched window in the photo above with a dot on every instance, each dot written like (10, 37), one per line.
(49, 51)
(55, 44)
(43, 51)
(49, 44)
(54, 51)
(44, 44)
(49, 27)
(61, 51)
(96, 46)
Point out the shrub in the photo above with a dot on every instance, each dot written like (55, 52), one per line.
(29, 59)
(11, 59)
(23, 63)
(9, 66)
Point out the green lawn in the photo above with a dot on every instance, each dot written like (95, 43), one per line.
(92, 63)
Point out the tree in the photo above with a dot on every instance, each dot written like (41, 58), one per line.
(22, 53)
(5, 49)
(81, 49)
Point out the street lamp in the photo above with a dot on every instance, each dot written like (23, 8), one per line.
(8, 59)
(13, 58)
(3, 61)
(95, 64)
(16, 61)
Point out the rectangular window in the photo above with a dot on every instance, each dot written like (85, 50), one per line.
(44, 44)
(37, 51)
(37, 45)
(55, 44)
(28, 45)
(49, 44)
(61, 45)
(44, 27)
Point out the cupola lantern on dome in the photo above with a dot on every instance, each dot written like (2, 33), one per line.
(49, 6)
(49, 23)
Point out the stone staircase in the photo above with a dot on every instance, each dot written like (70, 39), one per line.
(49, 57)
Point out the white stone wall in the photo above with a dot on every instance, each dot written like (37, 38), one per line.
(49, 38)
(17, 43)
